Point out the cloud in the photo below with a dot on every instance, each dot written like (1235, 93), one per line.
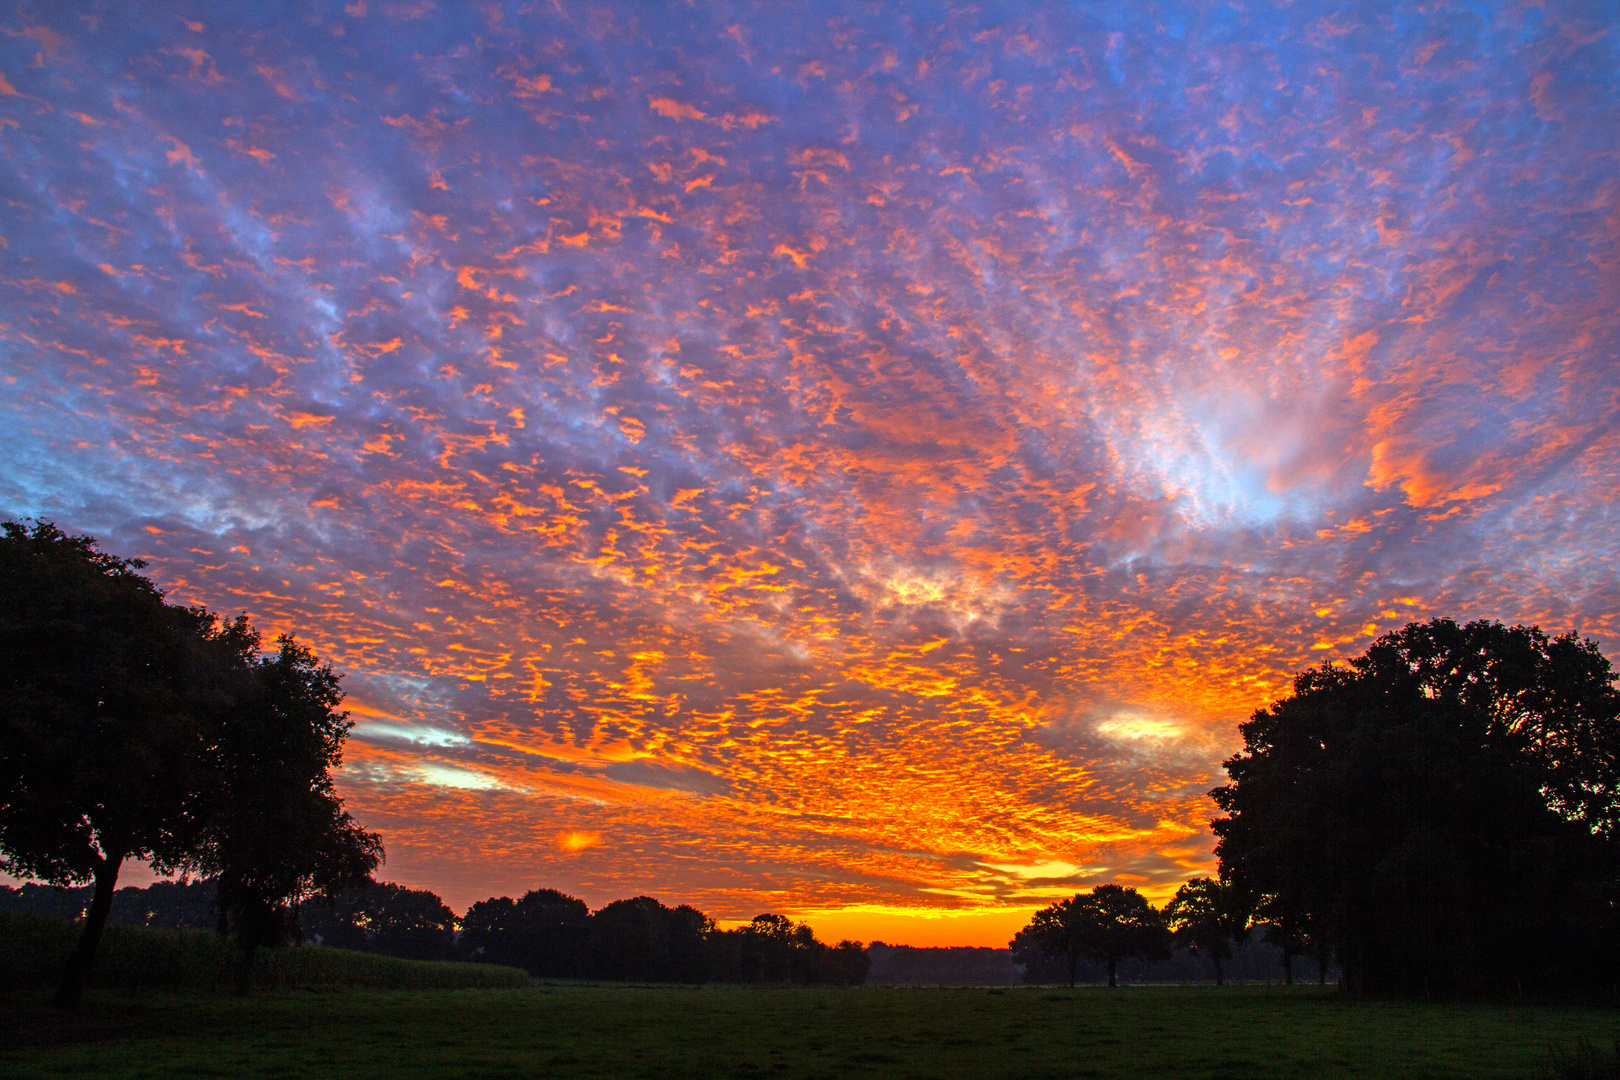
(840, 479)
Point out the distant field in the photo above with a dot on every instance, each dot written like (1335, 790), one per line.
(577, 1031)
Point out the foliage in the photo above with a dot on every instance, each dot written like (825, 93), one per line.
(384, 918)
(278, 835)
(1109, 924)
(1054, 931)
(774, 949)
(108, 697)
(544, 932)
(168, 905)
(132, 727)
(1443, 811)
(568, 1031)
(639, 939)
(1208, 917)
(33, 948)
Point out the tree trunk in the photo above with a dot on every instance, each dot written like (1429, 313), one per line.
(1074, 962)
(1112, 963)
(1219, 980)
(1288, 968)
(71, 990)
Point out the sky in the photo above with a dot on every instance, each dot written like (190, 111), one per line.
(858, 461)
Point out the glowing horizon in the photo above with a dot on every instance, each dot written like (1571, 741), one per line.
(858, 463)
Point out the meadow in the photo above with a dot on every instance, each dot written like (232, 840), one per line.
(560, 1030)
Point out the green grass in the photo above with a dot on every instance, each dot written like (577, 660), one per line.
(578, 1031)
(33, 949)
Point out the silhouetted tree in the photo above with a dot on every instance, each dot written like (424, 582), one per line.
(381, 917)
(166, 905)
(774, 949)
(1209, 917)
(1108, 924)
(848, 963)
(553, 935)
(1057, 931)
(546, 933)
(1444, 809)
(1286, 927)
(107, 695)
(641, 939)
(278, 835)
(1118, 922)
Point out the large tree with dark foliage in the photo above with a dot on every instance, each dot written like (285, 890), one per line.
(1108, 924)
(641, 939)
(382, 917)
(1117, 923)
(1444, 811)
(546, 933)
(278, 835)
(1208, 917)
(130, 727)
(108, 699)
(1055, 931)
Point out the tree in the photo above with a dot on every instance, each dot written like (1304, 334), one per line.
(107, 698)
(278, 835)
(546, 933)
(1208, 917)
(381, 917)
(1119, 923)
(846, 964)
(1286, 927)
(772, 948)
(1443, 811)
(1054, 931)
(1108, 925)
(641, 939)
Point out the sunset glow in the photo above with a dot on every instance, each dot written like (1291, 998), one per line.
(853, 461)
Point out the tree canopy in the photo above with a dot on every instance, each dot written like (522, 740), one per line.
(277, 833)
(130, 727)
(1209, 916)
(1443, 810)
(108, 697)
(1108, 925)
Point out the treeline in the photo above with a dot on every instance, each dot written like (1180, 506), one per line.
(545, 932)
(1254, 960)
(550, 934)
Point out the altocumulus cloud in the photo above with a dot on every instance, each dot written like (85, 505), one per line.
(825, 456)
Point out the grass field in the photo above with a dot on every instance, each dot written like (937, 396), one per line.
(574, 1031)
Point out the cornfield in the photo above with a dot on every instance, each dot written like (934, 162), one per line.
(33, 949)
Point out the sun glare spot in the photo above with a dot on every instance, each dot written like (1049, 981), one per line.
(574, 840)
